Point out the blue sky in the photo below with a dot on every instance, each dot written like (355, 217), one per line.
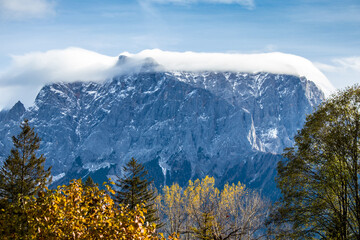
(314, 29)
(325, 32)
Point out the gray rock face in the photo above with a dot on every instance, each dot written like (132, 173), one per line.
(181, 125)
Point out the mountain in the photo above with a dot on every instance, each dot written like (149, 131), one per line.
(181, 124)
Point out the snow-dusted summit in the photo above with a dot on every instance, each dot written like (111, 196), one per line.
(182, 124)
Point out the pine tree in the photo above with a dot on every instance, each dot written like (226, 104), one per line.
(22, 176)
(134, 189)
(90, 182)
(23, 173)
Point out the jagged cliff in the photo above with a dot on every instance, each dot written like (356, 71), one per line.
(181, 125)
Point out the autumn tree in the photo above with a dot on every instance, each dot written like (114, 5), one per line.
(172, 207)
(319, 177)
(84, 212)
(201, 211)
(201, 198)
(241, 213)
(22, 176)
(134, 189)
(80, 212)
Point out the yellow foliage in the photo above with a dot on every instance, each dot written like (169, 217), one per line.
(201, 211)
(79, 212)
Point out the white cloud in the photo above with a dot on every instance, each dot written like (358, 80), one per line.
(275, 62)
(67, 65)
(246, 3)
(342, 71)
(349, 63)
(28, 73)
(326, 67)
(338, 64)
(23, 9)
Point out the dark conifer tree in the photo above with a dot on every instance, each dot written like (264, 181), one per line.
(22, 176)
(89, 182)
(23, 173)
(134, 189)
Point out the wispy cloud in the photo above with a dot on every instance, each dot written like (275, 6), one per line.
(246, 3)
(29, 72)
(25, 9)
(65, 65)
(342, 71)
(332, 13)
(350, 63)
(340, 64)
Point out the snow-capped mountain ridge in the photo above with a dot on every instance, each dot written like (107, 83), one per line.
(180, 124)
(273, 62)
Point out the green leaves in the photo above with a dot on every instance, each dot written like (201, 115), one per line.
(319, 179)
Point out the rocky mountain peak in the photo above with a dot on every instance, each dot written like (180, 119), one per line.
(181, 125)
(15, 112)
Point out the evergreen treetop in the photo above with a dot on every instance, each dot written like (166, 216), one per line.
(22, 176)
(134, 189)
(90, 182)
(23, 173)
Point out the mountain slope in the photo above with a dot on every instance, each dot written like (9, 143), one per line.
(181, 125)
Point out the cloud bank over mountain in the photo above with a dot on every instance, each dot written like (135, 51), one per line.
(29, 72)
(275, 62)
